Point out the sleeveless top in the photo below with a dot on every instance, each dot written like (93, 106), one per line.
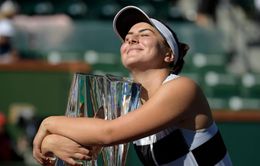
(182, 147)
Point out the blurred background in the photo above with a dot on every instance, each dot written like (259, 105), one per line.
(44, 42)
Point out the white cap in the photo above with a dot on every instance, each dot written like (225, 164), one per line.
(6, 28)
(130, 15)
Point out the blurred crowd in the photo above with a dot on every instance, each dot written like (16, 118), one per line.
(238, 19)
(17, 130)
(8, 53)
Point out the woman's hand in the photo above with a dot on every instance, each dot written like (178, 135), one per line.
(64, 148)
(37, 142)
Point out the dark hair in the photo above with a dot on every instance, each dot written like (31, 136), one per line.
(183, 48)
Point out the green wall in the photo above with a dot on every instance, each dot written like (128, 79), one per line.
(47, 91)
(243, 142)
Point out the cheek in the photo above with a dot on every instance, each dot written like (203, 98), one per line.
(123, 52)
(123, 49)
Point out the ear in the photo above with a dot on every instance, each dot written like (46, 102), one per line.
(169, 57)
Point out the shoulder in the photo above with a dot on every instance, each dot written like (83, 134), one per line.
(182, 84)
(182, 90)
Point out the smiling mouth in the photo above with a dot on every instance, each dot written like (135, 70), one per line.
(134, 49)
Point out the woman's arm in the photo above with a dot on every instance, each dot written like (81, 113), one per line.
(172, 103)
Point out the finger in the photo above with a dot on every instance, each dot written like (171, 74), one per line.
(88, 158)
(41, 133)
(84, 151)
(70, 161)
(38, 156)
(79, 156)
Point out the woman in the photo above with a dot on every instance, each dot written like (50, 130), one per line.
(173, 125)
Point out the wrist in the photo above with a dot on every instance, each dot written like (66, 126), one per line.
(47, 124)
(48, 145)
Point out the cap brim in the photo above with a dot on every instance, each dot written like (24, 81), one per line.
(126, 18)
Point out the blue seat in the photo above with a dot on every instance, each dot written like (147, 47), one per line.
(216, 103)
(221, 85)
(250, 85)
(242, 103)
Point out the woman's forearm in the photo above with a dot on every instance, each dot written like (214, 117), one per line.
(85, 131)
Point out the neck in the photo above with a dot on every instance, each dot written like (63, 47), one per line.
(151, 80)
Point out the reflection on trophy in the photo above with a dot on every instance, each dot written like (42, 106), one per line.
(106, 97)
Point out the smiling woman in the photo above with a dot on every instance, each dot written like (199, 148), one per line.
(173, 124)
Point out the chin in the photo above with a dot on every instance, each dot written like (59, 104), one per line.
(129, 66)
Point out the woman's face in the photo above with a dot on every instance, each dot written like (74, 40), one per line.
(143, 48)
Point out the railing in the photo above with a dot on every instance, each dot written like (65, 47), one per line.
(38, 65)
(237, 116)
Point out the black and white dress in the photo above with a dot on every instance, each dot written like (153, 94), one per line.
(182, 147)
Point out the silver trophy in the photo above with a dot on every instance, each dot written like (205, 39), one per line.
(106, 97)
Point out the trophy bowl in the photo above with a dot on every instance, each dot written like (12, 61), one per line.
(106, 97)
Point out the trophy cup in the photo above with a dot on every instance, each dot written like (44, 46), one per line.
(106, 97)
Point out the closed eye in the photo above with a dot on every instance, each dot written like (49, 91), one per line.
(145, 35)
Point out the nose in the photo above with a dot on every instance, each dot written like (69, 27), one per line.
(133, 39)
